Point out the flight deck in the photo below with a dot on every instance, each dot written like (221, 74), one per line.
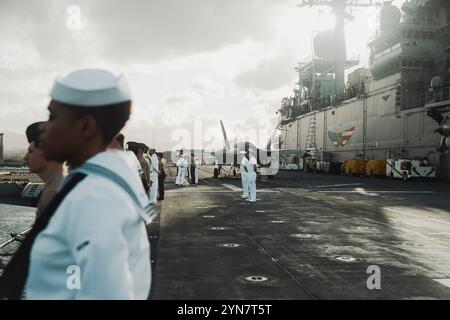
(308, 236)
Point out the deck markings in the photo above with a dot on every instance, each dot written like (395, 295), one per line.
(231, 187)
(445, 282)
(237, 189)
(381, 191)
(338, 185)
(339, 198)
(400, 211)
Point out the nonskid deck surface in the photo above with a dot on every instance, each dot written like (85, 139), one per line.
(307, 237)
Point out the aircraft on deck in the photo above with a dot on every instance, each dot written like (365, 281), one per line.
(443, 127)
(267, 159)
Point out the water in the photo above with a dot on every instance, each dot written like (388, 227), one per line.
(14, 219)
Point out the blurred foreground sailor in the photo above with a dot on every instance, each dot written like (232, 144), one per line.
(244, 175)
(51, 172)
(91, 241)
(251, 169)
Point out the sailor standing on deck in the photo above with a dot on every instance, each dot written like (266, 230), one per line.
(185, 171)
(251, 168)
(162, 175)
(197, 170)
(244, 175)
(154, 172)
(145, 164)
(118, 144)
(91, 241)
(180, 173)
(148, 160)
(133, 150)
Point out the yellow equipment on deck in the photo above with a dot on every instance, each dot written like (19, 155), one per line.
(354, 167)
(376, 168)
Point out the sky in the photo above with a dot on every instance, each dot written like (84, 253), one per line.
(189, 63)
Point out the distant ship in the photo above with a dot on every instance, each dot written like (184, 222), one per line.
(397, 108)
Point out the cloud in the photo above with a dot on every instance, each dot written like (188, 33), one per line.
(185, 60)
(139, 30)
(269, 74)
(154, 30)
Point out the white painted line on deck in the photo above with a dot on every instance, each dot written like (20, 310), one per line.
(231, 187)
(382, 191)
(439, 220)
(400, 211)
(339, 198)
(198, 190)
(411, 224)
(237, 189)
(338, 185)
(445, 282)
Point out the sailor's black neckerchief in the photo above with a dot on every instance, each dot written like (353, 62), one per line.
(14, 277)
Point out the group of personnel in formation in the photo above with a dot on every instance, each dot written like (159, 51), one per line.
(89, 239)
(187, 171)
(151, 169)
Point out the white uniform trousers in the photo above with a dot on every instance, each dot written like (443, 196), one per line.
(154, 188)
(178, 180)
(183, 175)
(252, 185)
(197, 174)
(244, 179)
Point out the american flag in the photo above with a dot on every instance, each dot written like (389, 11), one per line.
(340, 139)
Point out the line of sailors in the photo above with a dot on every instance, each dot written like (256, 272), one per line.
(183, 172)
(90, 239)
(152, 169)
(248, 174)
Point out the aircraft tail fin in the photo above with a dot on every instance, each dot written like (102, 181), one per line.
(227, 144)
(272, 137)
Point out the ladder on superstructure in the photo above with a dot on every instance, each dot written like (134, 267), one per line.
(311, 138)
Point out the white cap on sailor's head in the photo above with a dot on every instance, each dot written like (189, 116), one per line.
(90, 88)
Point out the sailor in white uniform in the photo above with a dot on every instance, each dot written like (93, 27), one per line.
(136, 163)
(180, 172)
(197, 170)
(154, 176)
(184, 168)
(91, 241)
(244, 175)
(251, 168)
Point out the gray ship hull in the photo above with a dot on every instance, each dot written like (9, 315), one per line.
(368, 128)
